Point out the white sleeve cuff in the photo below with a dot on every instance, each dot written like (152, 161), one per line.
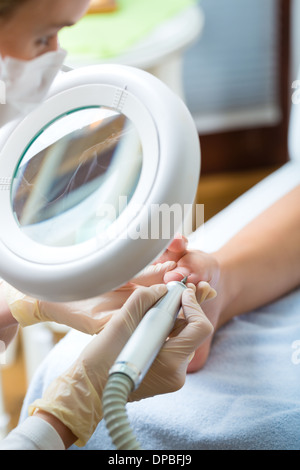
(33, 434)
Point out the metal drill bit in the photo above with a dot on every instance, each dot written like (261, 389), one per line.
(184, 280)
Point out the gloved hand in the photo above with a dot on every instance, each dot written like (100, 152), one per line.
(191, 329)
(198, 266)
(88, 316)
(74, 398)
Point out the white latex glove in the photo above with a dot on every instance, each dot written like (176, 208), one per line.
(88, 316)
(75, 397)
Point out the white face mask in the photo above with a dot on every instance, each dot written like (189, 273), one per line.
(24, 84)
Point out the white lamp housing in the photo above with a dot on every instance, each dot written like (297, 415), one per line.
(169, 175)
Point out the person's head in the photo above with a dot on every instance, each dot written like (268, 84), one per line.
(29, 28)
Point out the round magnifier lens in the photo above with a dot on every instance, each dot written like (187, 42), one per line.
(76, 176)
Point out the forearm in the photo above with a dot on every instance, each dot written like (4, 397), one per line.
(262, 262)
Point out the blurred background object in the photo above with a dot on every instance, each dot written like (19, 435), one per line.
(102, 6)
(151, 35)
(238, 87)
(237, 84)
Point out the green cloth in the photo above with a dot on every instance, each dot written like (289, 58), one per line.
(100, 36)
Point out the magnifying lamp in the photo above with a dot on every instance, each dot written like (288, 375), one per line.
(87, 174)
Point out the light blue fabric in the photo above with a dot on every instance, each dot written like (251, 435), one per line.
(248, 394)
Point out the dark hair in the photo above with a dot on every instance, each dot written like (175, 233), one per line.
(7, 7)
